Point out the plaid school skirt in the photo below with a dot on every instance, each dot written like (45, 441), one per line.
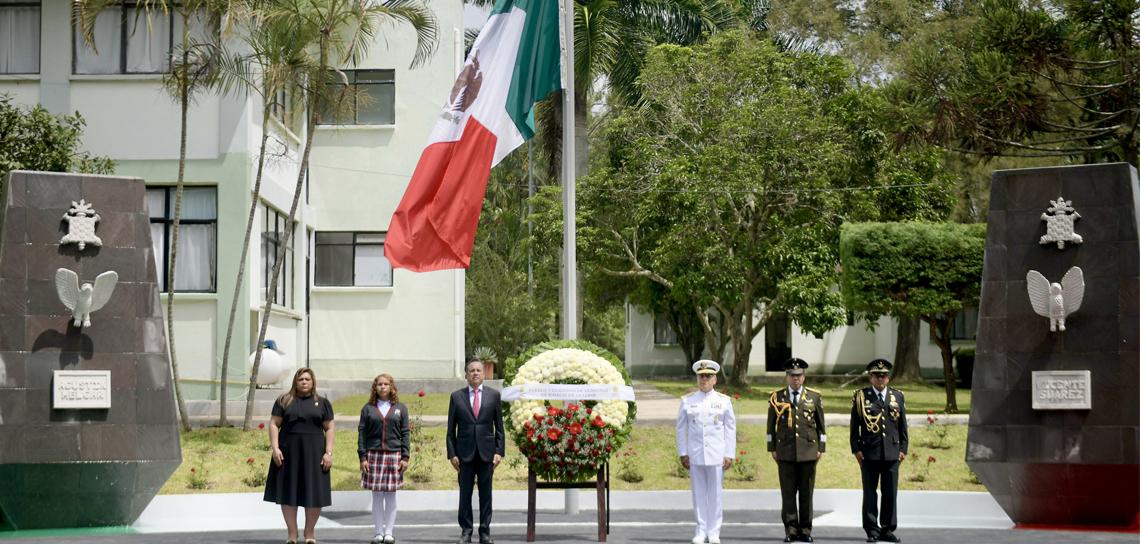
(383, 472)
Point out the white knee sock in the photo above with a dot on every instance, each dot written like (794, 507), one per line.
(390, 512)
(378, 513)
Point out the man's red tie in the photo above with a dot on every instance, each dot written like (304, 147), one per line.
(475, 405)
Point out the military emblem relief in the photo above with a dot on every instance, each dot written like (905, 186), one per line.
(1060, 221)
(464, 92)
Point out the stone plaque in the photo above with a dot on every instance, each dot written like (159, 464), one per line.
(1062, 390)
(81, 389)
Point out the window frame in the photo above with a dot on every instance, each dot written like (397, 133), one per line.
(353, 75)
(125, 24)
(288, 276)
(167, 220)
(39, 24)
(660, 340)
(960, 327)
(355, 242)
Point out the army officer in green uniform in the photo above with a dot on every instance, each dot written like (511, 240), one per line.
(797, 439)
(879, 441)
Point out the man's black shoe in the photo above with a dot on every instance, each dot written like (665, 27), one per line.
(486, 540)
(790, 538)
(872, 537)
(888, 537)
(806, 538)
(464, 539)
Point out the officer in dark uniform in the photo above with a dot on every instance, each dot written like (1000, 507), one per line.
(796, 438)
(879, 441)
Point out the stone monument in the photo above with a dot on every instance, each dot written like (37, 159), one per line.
(88, 429)
(1055, 411)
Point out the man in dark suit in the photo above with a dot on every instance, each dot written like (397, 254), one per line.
(475, 445)
(879, 441)
(797, 438)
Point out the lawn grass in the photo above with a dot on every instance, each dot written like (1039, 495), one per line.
(221, 462)
(431, 404)
(754, 399)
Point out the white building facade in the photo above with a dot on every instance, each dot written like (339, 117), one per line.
(340, 308)
(651, 347)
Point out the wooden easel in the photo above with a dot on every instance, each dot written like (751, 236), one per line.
(602, 484)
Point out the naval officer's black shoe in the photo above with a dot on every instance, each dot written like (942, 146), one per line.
(790, 538)
(872, 537)
(806, 538)
(888, 537)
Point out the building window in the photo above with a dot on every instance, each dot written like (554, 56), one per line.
(368, 98)
(965, 325)
(272, 234)
(131, 38)
(663, 333)
(19, 37)
(196, 265)
(353, 259)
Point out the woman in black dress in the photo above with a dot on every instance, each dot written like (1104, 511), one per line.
(301, 435)
(383, 444)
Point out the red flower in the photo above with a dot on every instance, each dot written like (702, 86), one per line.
(572, 407)
(421, 393)
(575, 428)
(192, 470)
(249, 461)
(589, 439)
(260, 425)
(742, 452)
(930, 459)
(609, 448)
(553, 434)
(550, 421)
(930, 420)
(553, 411)
(736, 396)
(589, 411)
(930, 411)
(538, 417)
(597, 422)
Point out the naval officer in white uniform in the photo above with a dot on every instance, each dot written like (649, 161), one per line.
(706, 442)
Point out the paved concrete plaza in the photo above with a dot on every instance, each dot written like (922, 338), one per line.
(637, 516)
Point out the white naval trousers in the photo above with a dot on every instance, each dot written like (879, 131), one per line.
(707, 483)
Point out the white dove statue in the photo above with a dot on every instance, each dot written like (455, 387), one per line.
(1056, 300)
(82, 300)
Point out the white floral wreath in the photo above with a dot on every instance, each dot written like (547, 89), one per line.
(563, 363)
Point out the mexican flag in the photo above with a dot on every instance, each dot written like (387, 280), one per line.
(513, 64)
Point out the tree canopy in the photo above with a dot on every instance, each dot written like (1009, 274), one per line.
(932, 270)
(32, 138)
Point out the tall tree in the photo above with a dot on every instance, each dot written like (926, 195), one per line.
(335, 33)
(1031, 79)
(718, 186)
(929, 270)
(274, 60)
(192, 71)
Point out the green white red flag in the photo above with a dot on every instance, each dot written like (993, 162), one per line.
(513, 64)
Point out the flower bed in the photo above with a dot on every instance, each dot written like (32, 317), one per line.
(570, 444)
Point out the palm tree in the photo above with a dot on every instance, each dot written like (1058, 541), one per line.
(192, 71)
(335, 31)
(274, 61)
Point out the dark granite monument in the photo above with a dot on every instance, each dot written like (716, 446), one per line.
(88, 432)
(1055, 414)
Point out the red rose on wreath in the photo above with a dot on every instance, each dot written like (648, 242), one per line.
(598, 422)
(572, 407)
(553, 411)
(575, 428)
(589, 411)
(538, 417)
(553, 434)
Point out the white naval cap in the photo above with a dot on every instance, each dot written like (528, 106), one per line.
(706, 366)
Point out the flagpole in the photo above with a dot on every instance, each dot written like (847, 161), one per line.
(569, 238)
